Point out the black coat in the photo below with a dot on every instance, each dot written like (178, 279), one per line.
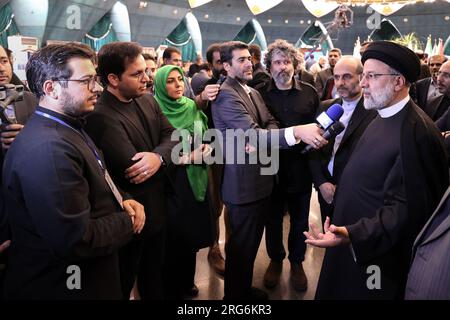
(319, 159)
(62, 212)
(384, 237)
(120, 138)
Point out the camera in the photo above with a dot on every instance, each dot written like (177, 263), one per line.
(9, 94)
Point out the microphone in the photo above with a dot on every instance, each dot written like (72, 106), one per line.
(327, 118)
(222, 78)
(333, 131)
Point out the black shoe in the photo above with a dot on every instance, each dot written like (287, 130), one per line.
(258, 295)
(192, 292)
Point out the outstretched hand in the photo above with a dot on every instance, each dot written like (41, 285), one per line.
(333, 236)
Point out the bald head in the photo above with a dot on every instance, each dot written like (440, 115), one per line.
(443, 79)
(346, 77)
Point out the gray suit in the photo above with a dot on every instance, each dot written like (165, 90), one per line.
(245, 191)
(429, 276)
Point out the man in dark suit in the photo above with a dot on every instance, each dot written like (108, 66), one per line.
(328, 163)
(20, 111)
(323, 76)
(135, 136)
(260, 75)
(67, 217)
(425, 90)
(439, 105)
(246, 187)
(390, 186)
(291, 102)
(429, 276)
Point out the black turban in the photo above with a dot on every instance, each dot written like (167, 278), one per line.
(396, 56)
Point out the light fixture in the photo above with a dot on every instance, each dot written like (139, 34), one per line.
(286, 21)
(206, 16)
(269, 20)
(175, 11)
(238, 18)
(302, 21)
(309, 21)
(143, 4)
(197, 3)
(259, 6)
(447, 18)
(405, 19)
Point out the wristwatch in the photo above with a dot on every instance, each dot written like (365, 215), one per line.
(161, 159)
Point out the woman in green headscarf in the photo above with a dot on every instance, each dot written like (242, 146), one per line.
(190, 224)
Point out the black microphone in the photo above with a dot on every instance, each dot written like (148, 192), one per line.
(332, 131)
(221, 80)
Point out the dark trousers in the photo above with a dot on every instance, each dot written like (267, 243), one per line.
(326, 209)
(179, 267)
(298, 208)
(143, 258)
(247, 227)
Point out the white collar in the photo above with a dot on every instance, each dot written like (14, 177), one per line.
(394, 109)
(350, 105)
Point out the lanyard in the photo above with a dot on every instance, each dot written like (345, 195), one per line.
(97, 156)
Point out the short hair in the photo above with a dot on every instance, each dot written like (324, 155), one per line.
(167, 54)
(336, 50)
(283, 47)
(255, 51)
(210, 51)
(148, 56)
(204, 66)
(51, 63)
(114, 58)
(226, 50)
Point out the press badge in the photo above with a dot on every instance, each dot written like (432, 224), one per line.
(113, 188)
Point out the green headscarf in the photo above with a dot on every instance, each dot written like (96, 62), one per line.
(182, 114)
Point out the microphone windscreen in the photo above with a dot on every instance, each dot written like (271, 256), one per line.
(335, 112)
(334, 130)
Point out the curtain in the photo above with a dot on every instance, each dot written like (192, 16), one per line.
(181, 39)
(447, 47)
(312, 35)
(101, 33)
(8, 26)
(387, 31)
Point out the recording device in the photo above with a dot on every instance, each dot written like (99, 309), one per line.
(333, 131)
(327, 118)
(221, 80)
(9, 94)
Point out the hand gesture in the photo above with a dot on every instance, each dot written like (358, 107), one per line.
(327, 191)
(137, 214)
(210, 92)
(333, 236)
(9, 133)
(310, 134)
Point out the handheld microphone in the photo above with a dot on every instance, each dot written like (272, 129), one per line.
(222, 78)
(327, 118)
(333, 131)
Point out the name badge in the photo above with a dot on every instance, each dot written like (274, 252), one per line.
(113, 188)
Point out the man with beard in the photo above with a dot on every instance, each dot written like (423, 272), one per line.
(328, 163)
(291, 102)
(326, 89)
(390, 186)
(426, 89)
(135, 136)
(67, 218)
(246, 189)
(438, 106)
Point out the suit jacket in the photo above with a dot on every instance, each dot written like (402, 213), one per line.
(234, 109)
(443, 125)
(62, 213)
(429, 276)
(120, 138)
(260, 76)
(432, 108)
(305, 76)
(23, 109)
(319, 159)
(421, 89)
(321, 80)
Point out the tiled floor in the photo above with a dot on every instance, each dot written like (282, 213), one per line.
(211, 285)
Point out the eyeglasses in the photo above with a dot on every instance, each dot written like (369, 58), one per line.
(141, 74)
(372, 76)
(90, 82)
(443, 74)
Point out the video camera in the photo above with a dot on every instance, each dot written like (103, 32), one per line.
(9, 94)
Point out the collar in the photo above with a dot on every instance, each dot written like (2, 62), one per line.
(244, 86)
(350, 105)
(76, 123)
(396, 108)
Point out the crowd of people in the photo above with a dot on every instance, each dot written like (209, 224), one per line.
(111, 181)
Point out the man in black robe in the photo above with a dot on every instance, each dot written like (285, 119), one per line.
(390, 186)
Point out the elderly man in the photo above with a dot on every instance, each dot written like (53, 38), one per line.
(391, 184)
(438, 106)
